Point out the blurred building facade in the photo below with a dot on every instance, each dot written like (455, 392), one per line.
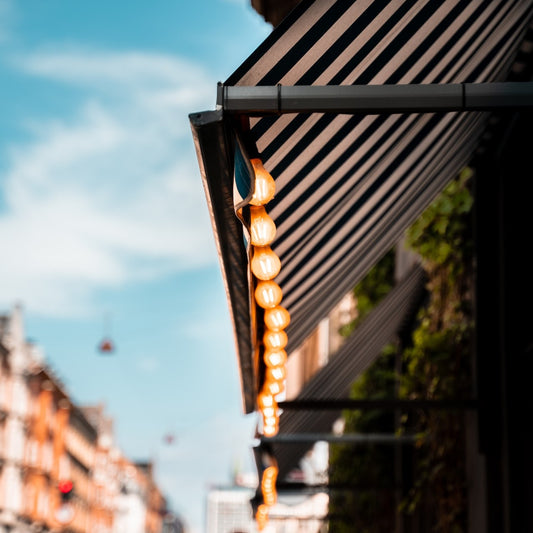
(229, 510)
(59, 467)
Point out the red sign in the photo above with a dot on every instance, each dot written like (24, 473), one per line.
(65, 486)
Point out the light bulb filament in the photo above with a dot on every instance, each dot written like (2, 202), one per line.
(268, 294)
(264, 184)
(262, 227)
(277, 318)
(265, 263)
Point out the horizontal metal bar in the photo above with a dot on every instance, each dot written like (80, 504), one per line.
(304, 488)
(296, 518)
(375, 99)
(338, 517)
(404, 405)
(356, 438)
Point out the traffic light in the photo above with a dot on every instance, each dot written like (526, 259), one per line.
(65, 488)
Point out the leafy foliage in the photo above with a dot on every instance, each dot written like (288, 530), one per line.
(436, 365)
(442, 234)
(371, 289)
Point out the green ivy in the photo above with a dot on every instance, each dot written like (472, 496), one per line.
(435, 366)
(371, 290)
(438, 235)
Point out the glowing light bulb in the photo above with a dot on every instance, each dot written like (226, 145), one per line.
(276, 373)
(270, 431)
(262, 227)
(275, 387)
(269, 498)
(277, 318)
(270, 420)
(264, 399)
(268, 485)
(268, 412)
(269, 475)
(275, 340)
(265, 263)
(261, 516)
(268, 479)
(275, 358)
(268, 294)
(264, 184)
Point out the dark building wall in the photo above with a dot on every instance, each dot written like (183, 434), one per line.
(274, 11)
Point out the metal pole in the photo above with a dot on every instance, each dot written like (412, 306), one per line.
(375, 99)
(356, 438)
(404, 405)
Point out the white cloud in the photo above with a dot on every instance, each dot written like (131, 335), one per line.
(111, 194)
(88, 67)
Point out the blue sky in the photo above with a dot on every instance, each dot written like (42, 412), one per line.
(104, 225)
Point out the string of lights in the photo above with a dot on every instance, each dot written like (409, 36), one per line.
(265, 266)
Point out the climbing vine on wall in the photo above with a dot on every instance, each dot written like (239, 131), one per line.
(435, 366)
(438, 364)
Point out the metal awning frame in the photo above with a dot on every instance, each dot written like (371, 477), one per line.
(354, 438)
(215, 141)
(319, 404)
(375, 99)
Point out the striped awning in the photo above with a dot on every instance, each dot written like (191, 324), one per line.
(348, 185)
